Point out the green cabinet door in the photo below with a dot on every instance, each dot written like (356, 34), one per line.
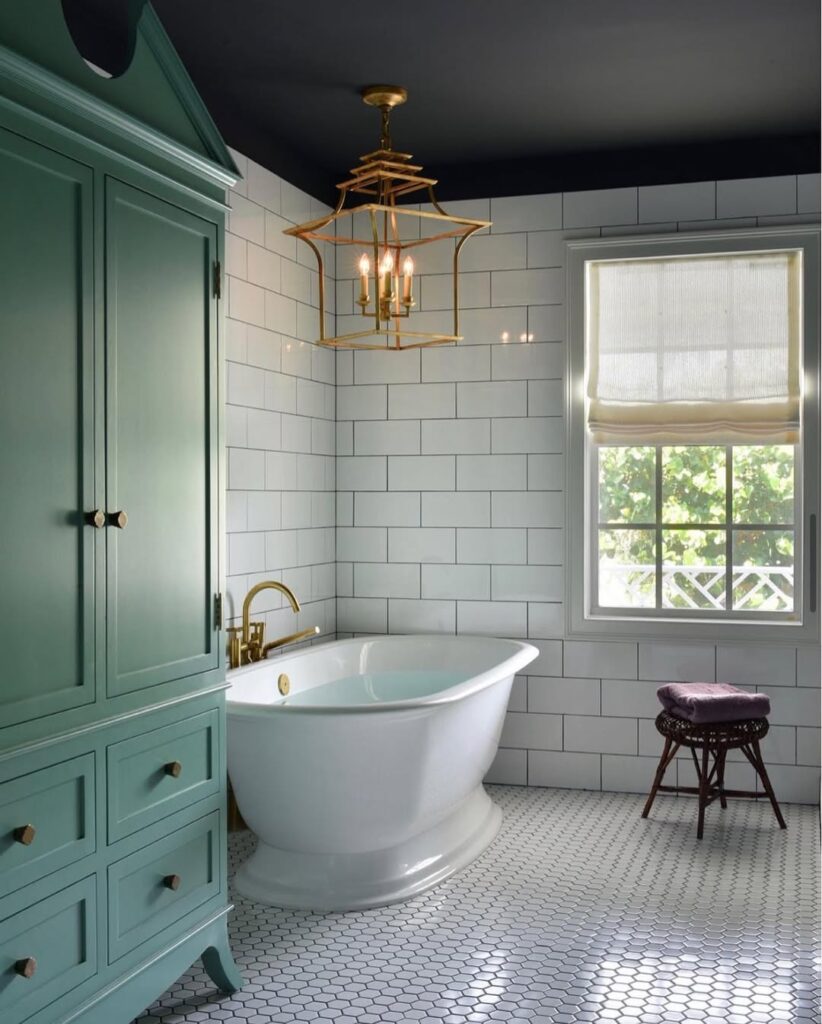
(46, 432)
(161, 440)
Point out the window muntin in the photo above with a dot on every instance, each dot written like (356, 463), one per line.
(695, 531)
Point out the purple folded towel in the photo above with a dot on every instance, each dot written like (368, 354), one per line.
(701, 703)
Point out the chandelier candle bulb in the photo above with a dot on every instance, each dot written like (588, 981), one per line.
(365, 269)
(387, 277)
(407, 281)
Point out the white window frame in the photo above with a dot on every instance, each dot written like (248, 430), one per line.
(581, 472)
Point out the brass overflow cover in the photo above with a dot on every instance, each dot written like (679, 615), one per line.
(283, 684)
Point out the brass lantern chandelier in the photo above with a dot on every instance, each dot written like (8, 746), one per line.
(384, 244)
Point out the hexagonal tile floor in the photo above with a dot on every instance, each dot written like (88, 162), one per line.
(578, 913)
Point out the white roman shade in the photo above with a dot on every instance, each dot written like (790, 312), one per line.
(694, 350)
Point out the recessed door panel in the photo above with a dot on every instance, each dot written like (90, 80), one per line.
(46, 432)
(161, 440)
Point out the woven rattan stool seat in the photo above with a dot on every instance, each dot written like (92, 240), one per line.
(730, 734)
(714, 740)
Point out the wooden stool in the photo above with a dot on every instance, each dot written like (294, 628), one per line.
(714, 739)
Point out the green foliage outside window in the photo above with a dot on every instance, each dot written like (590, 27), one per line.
(693, 484)
(626, 485)
(763, 484)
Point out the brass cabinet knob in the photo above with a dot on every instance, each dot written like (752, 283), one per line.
(172, 882)
(173, 768)
(118, 519)
(26, 967)
(95, 518)
(25, 834)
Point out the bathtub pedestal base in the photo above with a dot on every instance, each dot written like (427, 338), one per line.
(355, 881)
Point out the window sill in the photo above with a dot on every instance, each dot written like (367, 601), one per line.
(634, 629)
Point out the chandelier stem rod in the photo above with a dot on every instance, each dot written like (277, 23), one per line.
(385, 129)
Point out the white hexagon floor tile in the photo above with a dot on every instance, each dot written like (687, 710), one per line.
(578, 913)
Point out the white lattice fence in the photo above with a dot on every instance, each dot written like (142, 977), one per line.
(697, 586)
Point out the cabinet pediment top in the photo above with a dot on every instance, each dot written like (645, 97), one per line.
(150, 100)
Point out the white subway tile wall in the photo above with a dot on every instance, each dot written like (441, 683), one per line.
(466, 445)
(444, 475)
(280, 414)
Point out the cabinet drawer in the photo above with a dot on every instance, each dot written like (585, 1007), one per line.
(157, 773)
(57, 938)
(153, 889)
(46, 821)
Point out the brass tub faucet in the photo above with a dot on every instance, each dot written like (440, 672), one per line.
(247, 642)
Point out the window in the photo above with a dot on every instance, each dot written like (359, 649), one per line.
(694, 422)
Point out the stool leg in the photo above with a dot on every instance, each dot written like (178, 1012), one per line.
(720, 775)
(664, 761)
(703, 791)
(761, 771)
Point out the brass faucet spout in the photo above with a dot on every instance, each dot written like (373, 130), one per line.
(259, 588)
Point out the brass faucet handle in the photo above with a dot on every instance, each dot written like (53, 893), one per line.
(235, 646)
(256, 640)
(256, 632)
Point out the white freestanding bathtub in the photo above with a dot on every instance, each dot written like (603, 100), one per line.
(364, 783)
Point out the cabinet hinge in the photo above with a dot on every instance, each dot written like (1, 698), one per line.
(218, 611)
(218, 279)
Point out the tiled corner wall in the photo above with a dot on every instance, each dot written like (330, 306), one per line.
(450, 505)
(280, 518)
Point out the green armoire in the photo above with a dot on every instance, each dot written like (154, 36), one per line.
(112, 734)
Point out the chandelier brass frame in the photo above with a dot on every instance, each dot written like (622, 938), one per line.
(387, 175)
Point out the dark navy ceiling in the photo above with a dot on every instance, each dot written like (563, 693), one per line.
(512, 96)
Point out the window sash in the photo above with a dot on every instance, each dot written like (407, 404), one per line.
(727, 525)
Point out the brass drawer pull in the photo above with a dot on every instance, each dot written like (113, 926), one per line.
(96, 518)
(173, 768)
(118, 519)
(26, 967)
(25, 834)
(172, 882)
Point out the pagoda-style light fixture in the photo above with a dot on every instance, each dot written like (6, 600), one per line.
(389, 260)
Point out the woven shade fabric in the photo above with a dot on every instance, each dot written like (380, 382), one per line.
(695, 350)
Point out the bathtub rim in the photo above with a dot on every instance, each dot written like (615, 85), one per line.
(522, 655)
